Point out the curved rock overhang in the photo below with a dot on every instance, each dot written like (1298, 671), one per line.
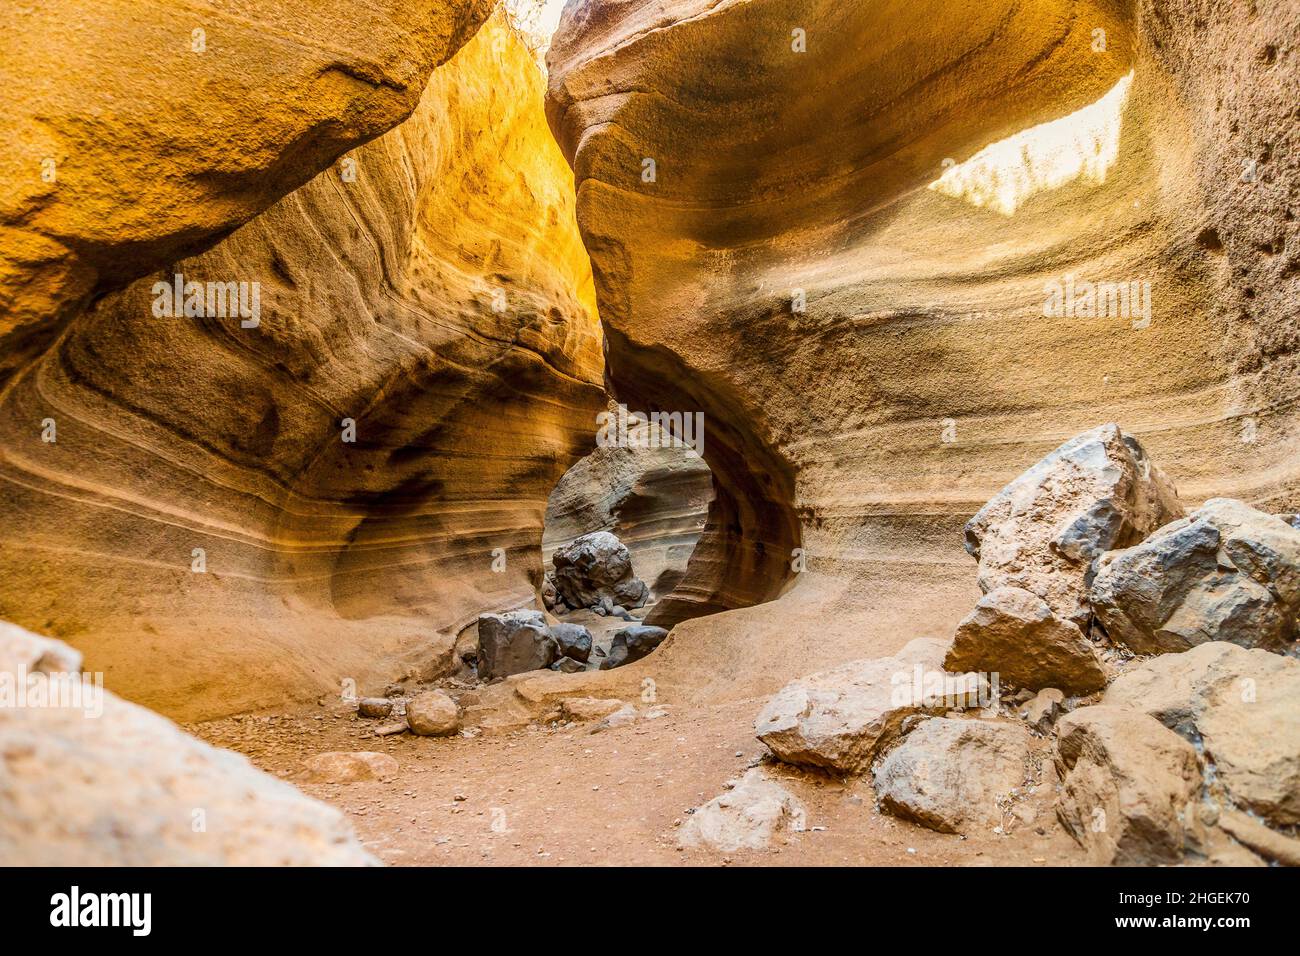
(793, 147)
(364, 469)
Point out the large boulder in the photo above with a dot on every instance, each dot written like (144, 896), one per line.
(633, 643)
(1014, 632)
(513, 643)
(951, 774)
(843, 718)
(596, 569)
(1129, 787)
(1240, 706)
(109, 783)
(1095, 493)
(745, 817)
(1225, 573)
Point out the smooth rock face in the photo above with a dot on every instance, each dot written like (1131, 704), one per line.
(1095, 493)
(350, 767)
(121, 788)
(596, 569)
(513, 643)
(1225, 573)
(322, 559)
(433, 714)
(1013, 632)
(220, 124)
(633, 643)
(1241, 705)
(1129, 787)
(746, 817)
(950, 774)
(572, 640)
(842, 718)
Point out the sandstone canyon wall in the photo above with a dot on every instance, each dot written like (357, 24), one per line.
(832, 228)
(201, 528)
(140, 132)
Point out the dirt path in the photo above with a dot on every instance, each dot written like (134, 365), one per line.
(570, 796)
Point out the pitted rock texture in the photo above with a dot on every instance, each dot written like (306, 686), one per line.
(116, 785)
(922, 375)
(1240, 706)
(187, 443)
(1225, 573)
(1041, 533)
(146, 131)
(596, 571)
(951, 774)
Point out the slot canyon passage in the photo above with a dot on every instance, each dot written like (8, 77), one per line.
(958, 340)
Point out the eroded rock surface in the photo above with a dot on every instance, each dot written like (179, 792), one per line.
(746, 817)
(1095, 493)
(122, 787)
(513, 643)
(1240, 705)
(1225, 573)
(1013, 632)
(335, 493)
(952, 774)
(633, 643)
(872, 355)
(145, 131)
(1129, 787)
(596, 571)
(433, 714)
(654, 499)
(841, 719)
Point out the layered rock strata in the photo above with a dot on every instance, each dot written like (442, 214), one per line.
(220, 511)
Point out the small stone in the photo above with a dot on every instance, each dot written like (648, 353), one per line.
(433, 714)
(581, 709)
(341, 767)
(374, 707)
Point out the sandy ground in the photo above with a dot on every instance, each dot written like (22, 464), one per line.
(560, 795)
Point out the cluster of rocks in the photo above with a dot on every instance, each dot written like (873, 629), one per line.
(594, 571)
(1086, 560)
(430, 713)
(521, 641)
